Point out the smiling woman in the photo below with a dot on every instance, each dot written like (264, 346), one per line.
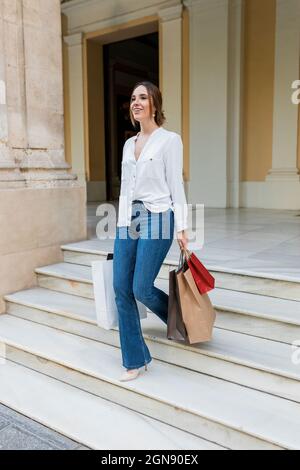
(146, 102)
(152, 185)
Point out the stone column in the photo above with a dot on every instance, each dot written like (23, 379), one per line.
(42, 204)
(43, 160)
(10, 175)
(285, 123)
(171, 65)
(209, 50)
(235, 100)
(75, 57)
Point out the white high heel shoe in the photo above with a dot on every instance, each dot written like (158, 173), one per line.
(131, 374)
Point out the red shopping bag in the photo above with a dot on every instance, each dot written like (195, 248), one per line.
(203, 279)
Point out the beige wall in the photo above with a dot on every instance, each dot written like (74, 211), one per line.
(96, 143)
(258, 88)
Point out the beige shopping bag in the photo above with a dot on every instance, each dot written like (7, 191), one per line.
(198, 313)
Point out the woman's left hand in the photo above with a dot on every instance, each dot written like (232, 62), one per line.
(182, 239)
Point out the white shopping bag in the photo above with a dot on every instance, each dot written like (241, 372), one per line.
(106, 308)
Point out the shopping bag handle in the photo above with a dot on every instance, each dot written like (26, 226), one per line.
(187, 253)
(184, 253)
(180, 262)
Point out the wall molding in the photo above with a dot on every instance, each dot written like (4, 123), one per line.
(171, 13)
(74, 39)
(91, 15)
(201, 6)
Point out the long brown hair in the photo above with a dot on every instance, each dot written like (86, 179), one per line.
(155, 94)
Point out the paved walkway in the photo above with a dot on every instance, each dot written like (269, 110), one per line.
(20, 433)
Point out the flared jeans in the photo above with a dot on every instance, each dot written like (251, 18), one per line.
(139, 251)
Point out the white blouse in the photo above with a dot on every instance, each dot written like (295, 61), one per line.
(155, 178)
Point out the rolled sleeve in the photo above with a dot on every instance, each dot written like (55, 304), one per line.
(173, 156)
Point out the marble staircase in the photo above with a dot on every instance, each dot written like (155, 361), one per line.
(239, 391)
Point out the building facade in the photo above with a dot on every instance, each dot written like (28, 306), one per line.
(227, 70)
(229, 74)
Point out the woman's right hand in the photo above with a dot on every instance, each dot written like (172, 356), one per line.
(182, 239)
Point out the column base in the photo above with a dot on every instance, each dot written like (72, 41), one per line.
(283, 174)
(11, 177)
(35, 223)
(40, 168)
(45, 178)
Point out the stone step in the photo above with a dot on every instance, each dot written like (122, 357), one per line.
(69, 278)
(87, 418)
(252, 314)
(216, 410)
(253, 362)
(266, 283)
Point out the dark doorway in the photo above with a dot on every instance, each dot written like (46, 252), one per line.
(125, 63)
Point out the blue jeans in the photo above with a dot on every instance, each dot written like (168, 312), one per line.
(139, 251)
